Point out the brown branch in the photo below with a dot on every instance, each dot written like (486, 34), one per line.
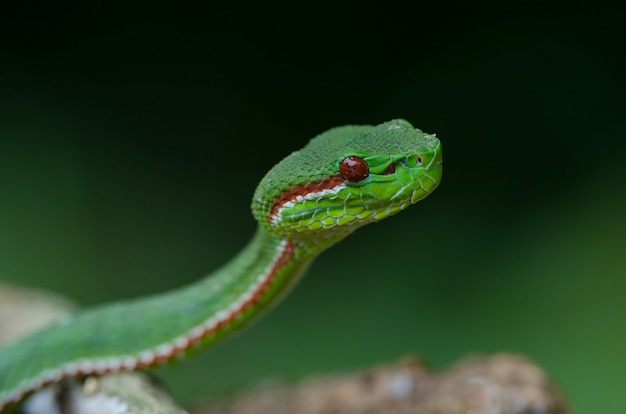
(24, 310)
(502, 383)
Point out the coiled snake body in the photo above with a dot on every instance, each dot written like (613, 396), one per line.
(343, 179)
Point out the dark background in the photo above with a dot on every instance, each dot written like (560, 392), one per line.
(132, 138)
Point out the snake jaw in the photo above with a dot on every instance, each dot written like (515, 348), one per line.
(331, 212)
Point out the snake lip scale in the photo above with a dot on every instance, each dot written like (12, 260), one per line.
(341, 180)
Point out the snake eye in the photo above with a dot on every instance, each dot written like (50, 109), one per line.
(418, 161)
(354, 168)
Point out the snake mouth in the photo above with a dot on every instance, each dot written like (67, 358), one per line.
(417, 183)
(430, 179)
(426, 184)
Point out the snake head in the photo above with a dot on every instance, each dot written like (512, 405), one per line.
(347, 177)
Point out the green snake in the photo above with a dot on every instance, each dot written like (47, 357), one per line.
(341, 180)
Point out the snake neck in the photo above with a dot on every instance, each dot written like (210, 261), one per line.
(262, 272)
(267, 253)
(268, 264)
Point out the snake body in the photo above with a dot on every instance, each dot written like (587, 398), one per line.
(341, 180)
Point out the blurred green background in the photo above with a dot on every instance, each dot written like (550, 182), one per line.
(132, 138)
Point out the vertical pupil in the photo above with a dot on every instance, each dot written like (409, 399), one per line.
(354, 168)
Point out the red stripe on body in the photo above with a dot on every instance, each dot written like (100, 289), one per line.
(285, 256)
(301, 190)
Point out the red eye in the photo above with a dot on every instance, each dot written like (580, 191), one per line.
(354, 168)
